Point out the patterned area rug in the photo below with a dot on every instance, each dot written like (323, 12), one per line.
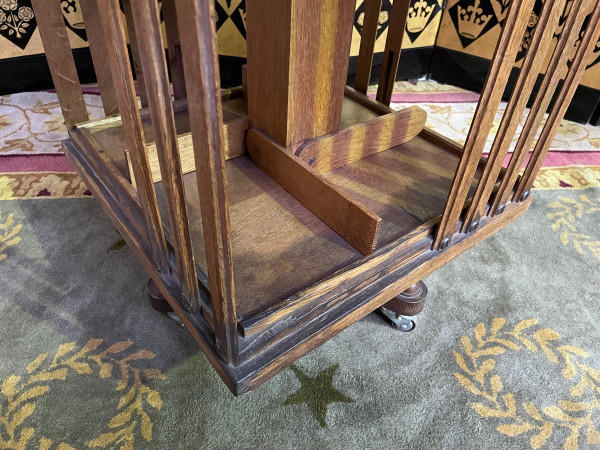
(506, 353)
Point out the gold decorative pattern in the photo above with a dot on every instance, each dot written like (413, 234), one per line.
(572, 177)
(477, 362)
(19, 394)
(8, 234)
(565, 217)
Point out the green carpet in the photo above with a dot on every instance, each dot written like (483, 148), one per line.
(505, 355)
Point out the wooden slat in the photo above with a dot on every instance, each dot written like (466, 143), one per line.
(199, 48)
(51, 24)
(174, 46)
(563, 52)
(147, 23)
(583, 57)
(530, 69)
(362, 140)
(135, 54)
(393, 48)
(91, 17)
(357, 225)
(502, 63)
(368, 36)
(132, 128)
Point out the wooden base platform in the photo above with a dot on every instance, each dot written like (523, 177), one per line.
(294, 275)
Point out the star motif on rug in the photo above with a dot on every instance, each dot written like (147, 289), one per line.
(317, 392)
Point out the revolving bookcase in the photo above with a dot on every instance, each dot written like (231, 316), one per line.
(272, 216)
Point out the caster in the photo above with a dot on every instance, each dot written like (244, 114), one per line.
(403, 309)
(399, 322)
(159, 302)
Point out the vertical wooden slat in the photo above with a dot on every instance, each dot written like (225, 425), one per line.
(50, 21)
(133, 133)
(203, 86)
(368, 36)
(501, 66)
(135, 53)
(393, 48)
(530, 69)
(583, 57)
(96, 41)
(147, 24)
(564, 50)
(174, 46)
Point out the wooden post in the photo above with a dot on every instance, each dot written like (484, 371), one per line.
(201, 67)
(368, 36)
(147, 23)
(133, 132)
(301, 47)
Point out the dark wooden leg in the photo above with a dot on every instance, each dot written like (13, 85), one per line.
(157, 300)
(402, 309)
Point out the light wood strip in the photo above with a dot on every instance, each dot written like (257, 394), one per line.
(368, 36)
(563, 52)
(132, 128)
(583, 57)
(357, 225)
(502, 64)
(362, 140)
(530, 69)
(90, 13)
(199, 49)
(135, 54)
(51, 24)
(393, 48)
(147, 23)
(174, 45)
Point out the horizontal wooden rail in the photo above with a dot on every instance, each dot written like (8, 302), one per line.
(358, 226)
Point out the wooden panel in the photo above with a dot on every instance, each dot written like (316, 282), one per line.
(368, 36)
(504, 58)
(393, 48)
(563, 52)
(307, 67)
(60, 60)
(199, 49)
(584, 56)
(93, 30)
(147, 23)
(411, 179)
(354, 223)
(132, 128)
(531, 67)
(174, 45)
(362, 140)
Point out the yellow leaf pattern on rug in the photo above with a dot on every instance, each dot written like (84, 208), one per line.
(131, 419)
(566, 215)
(8, 234)
(576, 415)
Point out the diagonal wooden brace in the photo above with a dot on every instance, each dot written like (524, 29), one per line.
(359, 141)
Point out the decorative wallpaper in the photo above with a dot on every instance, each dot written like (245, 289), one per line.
(473, 27)
(19, 36)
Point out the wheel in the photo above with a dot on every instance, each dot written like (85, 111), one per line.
(398, 321)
